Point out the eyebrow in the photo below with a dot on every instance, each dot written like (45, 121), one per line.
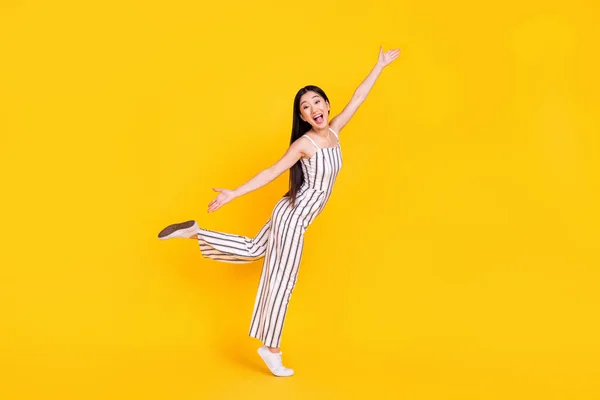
(316, 95)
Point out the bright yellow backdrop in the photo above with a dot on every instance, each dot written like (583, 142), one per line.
(457, 259)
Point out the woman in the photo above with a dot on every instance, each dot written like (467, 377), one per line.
(314, 163)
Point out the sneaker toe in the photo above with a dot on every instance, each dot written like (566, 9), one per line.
(285, 372)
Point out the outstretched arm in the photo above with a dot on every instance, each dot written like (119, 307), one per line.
(291, 156)
(360, 94)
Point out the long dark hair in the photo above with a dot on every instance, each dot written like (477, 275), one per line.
(299, 128)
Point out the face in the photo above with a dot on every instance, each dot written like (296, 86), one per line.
(314, 109)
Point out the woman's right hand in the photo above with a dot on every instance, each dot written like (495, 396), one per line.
(224, 197)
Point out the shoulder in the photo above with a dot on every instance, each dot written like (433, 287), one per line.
(302, 141)
(307, 137)
(302, 145)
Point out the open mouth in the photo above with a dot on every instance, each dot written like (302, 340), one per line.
(318, 118)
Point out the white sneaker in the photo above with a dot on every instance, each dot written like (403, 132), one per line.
(273, 361)
(180, 230)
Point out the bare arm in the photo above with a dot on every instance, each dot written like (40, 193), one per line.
(361, 92)
(291, 156)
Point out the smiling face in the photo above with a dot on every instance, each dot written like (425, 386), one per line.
(314, 109)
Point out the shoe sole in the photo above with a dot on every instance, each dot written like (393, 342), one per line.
(169, 230)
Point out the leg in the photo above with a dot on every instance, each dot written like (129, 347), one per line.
(221, 246)
(278, 276)
(227, 247)
(277, 282)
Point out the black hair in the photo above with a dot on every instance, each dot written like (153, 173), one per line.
(299, 128)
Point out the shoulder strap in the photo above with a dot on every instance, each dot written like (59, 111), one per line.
(336, 135)
(313, 142)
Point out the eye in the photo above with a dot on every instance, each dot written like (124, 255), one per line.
(318, 101)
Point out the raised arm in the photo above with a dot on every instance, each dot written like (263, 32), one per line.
(360, 94)
(291, 156)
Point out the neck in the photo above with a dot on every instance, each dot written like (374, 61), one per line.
(322, 131)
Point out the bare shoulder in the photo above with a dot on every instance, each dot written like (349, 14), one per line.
(303, 146)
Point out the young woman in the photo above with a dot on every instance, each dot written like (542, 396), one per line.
(314, 163)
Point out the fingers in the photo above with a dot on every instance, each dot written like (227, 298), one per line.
(388, 56)
(224, 197)
(217, 203)
(391, 55)
(213, 206)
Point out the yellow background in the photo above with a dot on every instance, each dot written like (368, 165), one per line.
(457, 259)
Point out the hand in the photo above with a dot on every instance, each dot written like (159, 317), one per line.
(388, 56)
(224, 197)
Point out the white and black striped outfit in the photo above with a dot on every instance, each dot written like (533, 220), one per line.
(280, 242)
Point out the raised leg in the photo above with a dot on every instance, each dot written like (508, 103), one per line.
(228, 247)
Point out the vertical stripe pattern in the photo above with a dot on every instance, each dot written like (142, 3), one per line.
(280, 242)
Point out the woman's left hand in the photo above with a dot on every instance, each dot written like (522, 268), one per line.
(387, 57)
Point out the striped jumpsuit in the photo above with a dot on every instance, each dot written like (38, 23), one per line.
(280, 241)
